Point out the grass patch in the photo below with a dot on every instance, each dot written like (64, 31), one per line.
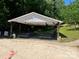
(71, 34)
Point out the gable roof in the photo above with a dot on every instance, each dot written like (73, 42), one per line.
(35, 19)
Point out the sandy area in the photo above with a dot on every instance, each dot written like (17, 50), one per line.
(37, 49)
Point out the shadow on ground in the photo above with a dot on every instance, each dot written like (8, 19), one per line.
(62, 35)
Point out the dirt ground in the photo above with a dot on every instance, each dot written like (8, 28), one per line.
(37, 49)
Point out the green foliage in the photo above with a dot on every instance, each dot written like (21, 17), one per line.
(3, 14)
(69, 13)
(70, 33)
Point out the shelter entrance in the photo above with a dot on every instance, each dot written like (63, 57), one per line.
(30, 31)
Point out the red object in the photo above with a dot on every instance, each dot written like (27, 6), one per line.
(12, 53)
(9, 55)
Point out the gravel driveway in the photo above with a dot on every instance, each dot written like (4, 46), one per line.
(37, 49)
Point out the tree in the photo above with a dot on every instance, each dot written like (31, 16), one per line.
(69, 13)
(3, 15)
(14, 7)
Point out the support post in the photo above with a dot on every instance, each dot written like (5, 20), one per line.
(19, 28)
(11, 29)
(58, 26)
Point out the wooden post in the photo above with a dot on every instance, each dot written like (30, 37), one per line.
(19, 28)
(58, 26)
(11, 29)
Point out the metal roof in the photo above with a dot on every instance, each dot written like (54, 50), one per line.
(34, 18)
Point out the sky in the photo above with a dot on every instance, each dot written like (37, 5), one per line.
(68, 2)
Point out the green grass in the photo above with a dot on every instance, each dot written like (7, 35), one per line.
(71, 34)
